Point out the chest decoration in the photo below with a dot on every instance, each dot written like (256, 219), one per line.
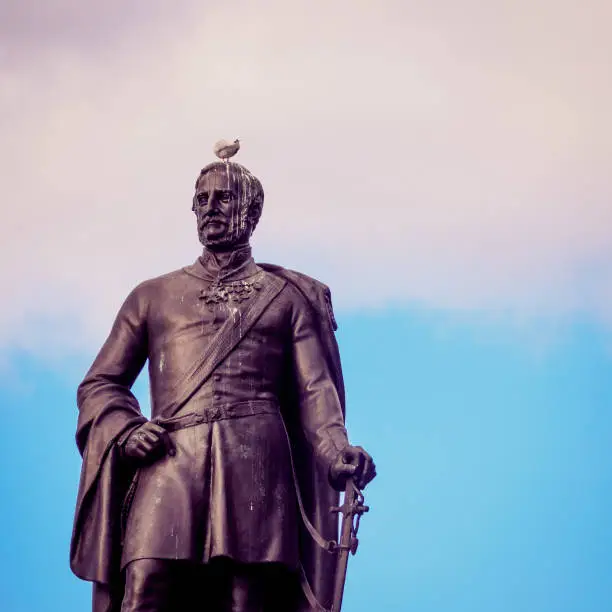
(237, 291)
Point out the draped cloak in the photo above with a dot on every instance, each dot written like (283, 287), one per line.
(109, 412)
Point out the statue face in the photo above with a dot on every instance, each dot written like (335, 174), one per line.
(221, 210)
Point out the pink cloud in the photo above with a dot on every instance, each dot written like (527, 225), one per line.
(451, 159)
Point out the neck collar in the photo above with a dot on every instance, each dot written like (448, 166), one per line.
(239, 265)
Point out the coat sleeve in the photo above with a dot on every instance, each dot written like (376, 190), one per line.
(108, 411)
(321, 414)
(104, 398)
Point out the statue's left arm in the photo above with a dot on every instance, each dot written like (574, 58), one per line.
(320, 408)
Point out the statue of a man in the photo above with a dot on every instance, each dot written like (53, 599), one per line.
(220, 501)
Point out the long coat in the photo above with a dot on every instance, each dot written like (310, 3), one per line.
(273, 397)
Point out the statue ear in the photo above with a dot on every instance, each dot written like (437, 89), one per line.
(254, 212)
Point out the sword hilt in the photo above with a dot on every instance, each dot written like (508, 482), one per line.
(349, 509)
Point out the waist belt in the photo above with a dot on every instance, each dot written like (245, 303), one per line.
(218, 413)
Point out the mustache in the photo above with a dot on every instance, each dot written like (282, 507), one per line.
(212, 216)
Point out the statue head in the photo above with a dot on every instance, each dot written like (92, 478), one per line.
(227, 203)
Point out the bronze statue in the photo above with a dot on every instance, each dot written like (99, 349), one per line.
(222, 500)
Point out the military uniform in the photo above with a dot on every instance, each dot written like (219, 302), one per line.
(229, 490)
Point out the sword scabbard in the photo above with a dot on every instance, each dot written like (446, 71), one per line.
(351, 509)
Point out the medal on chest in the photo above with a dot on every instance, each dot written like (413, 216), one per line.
(232, 292)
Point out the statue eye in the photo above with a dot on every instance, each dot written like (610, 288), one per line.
(202, 199)
(226, 196)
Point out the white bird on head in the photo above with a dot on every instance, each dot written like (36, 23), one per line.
(224, 149)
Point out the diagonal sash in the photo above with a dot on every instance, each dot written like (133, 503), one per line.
(236, 326)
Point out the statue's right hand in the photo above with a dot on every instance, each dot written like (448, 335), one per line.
(148, 443)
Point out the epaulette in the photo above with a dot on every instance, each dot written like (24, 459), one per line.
(316, 292)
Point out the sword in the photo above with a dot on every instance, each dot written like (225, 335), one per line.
(351, 509)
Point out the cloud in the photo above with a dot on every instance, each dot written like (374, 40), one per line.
(453, 157)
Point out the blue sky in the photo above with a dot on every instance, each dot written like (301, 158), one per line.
(442, 165)
(494, 469)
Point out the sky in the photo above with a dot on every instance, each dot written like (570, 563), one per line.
(443, 166)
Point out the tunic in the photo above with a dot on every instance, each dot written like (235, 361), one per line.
(229, 490)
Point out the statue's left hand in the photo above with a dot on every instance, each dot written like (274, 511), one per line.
(353, 462)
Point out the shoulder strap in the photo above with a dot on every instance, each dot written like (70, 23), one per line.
(237, 325)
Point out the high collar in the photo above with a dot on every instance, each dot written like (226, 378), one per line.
(240, 265)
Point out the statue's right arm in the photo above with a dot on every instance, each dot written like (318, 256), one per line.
(106, 403)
